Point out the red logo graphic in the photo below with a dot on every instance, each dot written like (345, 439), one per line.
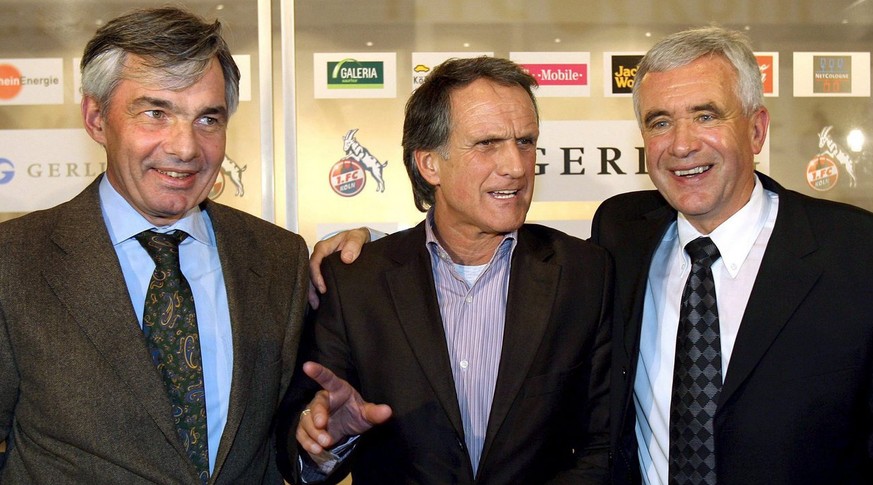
(822, 173)
(347, 177)
(765, 64)
(10, 81)
(559, 74)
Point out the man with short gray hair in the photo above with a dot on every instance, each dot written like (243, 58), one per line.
(743, 344)
(146, 332)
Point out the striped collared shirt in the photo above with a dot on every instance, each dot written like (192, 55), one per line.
(473, 315)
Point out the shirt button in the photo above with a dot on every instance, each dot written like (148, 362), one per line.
(469, 299)
(464, 364)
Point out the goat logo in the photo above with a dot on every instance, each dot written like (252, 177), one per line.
(348, 176)
(229, 170)
(829, 148)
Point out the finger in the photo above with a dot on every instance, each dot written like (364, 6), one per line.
(376, 414)
(315, 276)
(354, 241)
(336, 386)
(307, 434)
(319, 411)
(312, 294)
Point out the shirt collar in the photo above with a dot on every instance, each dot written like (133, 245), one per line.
(432, 241)
(735, 236)
(124, 222)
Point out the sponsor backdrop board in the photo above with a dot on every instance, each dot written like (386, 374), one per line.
(831, 74)
(559, 74)
(768, 63)
(619, 69)
(355, 75)
(31, 81)
(42, 168)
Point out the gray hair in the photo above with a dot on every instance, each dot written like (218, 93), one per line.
(175, 46)
(428, 119)
(682, 48)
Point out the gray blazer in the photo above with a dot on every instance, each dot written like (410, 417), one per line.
(81, 401)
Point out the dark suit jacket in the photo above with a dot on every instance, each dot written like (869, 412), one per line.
(379, 326)
(796, 403)
(78, 389)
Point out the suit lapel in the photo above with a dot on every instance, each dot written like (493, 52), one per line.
(414, 297)
(533, 284)
(632, 260)
(784, 267)
(246, 296)
(105, 314)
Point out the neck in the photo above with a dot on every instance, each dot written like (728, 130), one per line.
(466, 249)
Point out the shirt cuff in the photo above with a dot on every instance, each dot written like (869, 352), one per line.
(314, 469)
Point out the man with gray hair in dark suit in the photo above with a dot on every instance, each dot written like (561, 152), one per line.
(147, 333)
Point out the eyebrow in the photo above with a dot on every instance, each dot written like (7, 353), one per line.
(705, 107)
(692, 109)
(169, 106)
(654, 114)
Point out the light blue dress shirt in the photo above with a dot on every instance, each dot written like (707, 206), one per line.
(198, 257)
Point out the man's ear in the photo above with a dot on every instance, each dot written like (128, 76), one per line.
(759, 126)
(428, 163)
(93, 119)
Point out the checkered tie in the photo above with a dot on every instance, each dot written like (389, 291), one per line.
(170, 328)
(697, 374)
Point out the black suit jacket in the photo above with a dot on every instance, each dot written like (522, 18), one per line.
(379, 326)
(81, 400)
(797, 404)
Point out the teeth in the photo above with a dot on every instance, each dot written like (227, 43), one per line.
(693, 171)
(504, 194)
(177, 175)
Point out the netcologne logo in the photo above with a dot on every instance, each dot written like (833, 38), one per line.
(832, 74)
(354, 74)
(7, 171)
(348, 176)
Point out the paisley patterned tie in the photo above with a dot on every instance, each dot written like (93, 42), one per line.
(170, 328)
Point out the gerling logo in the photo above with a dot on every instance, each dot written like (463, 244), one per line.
(7, 171)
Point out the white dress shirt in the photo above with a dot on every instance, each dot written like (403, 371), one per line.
(742, 241)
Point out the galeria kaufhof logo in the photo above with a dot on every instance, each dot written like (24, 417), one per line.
(7, 171)
(353, 74)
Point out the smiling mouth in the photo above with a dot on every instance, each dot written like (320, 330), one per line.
(692, 171)
(175, 175)
(504, 194)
